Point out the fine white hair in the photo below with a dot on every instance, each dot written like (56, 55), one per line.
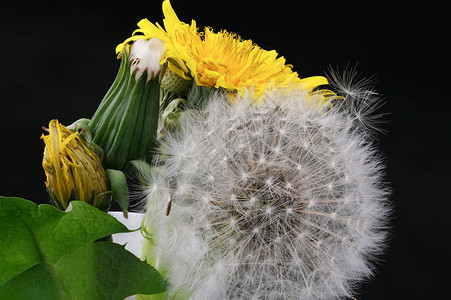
(283, 200)
(145, 55)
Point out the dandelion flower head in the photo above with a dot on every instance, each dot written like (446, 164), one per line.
(220, 59)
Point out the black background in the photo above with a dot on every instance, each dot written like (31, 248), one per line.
(58, 60)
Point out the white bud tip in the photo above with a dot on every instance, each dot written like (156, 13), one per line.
(146, 55)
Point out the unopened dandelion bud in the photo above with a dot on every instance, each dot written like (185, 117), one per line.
(175, 84)
(125, 123)
(73, 170)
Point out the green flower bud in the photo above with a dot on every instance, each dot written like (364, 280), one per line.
(125, 124)
(175, 84)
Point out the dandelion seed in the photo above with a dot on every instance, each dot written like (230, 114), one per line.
(269, 181)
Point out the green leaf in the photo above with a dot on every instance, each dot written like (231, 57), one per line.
(34, 283)
(118, 183)
(49, 254)
(100, 280)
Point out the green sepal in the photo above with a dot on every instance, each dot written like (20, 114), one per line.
(105, 203)
(171, 113)
(97, 150)
(119, 189)
(141, 170)
(198, 95)
(85, 134)
(79, 125)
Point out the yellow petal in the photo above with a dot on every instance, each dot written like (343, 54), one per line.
(309, 83)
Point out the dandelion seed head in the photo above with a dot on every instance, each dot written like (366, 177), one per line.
(280, 220)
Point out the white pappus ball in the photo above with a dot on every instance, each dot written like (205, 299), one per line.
(277, 201)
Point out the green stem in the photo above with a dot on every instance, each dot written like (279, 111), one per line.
(150, 257)
(148, 254)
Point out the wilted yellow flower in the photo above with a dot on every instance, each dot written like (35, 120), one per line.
(74, 172)
(220, 59)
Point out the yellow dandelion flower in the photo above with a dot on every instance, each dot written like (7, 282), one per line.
(73, 171)
(224, 60)
(221, 59)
